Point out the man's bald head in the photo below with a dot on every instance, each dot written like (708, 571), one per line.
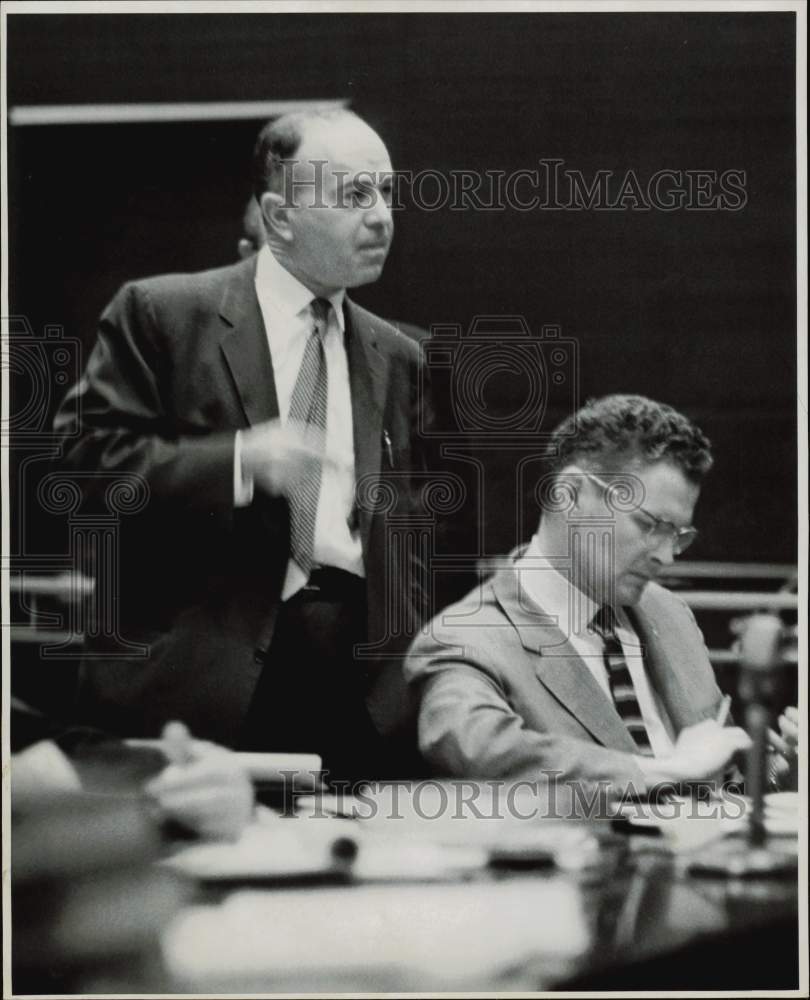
(279, 142)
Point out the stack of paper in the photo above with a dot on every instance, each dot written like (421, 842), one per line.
(457, 935)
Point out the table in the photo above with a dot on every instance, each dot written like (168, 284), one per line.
(634, 918)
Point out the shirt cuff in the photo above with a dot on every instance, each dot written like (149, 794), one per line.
(242, 485)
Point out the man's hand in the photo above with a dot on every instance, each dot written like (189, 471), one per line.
(701, 751)
(203, 788)
(789, 728)
(784, 763)
(278, 456)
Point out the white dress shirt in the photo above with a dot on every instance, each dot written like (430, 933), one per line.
(285, 307)
(554, 594)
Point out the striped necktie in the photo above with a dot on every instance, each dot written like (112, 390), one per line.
(621, 683)
(308, 406)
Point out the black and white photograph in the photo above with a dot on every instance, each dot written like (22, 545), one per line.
(404, 522)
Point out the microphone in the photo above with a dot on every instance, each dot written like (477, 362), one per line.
(761, 660)
(760, 648)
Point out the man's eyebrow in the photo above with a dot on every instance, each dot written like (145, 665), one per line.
(362, 180)
(665, 519)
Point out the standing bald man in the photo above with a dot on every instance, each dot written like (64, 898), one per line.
(253, 400)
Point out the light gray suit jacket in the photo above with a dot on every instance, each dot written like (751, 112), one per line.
(504, 694)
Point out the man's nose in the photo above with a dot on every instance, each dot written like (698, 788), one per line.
(378, 214)
(664, 551)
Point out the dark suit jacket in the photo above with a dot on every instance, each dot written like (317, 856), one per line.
(505, 695)
(181, 362)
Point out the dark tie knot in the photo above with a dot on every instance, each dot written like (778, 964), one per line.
(604, 621)
(320, 313)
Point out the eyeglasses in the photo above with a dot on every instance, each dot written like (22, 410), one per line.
(657, 529)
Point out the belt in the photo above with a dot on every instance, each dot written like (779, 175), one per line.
(330, 583)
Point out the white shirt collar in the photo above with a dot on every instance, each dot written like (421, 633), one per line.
(286, 292)
(547, 585)
(545, 582)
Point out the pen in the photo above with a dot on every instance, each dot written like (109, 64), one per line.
(722, 711)
(388, 449)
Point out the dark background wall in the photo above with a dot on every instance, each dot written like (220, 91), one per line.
(695, 308)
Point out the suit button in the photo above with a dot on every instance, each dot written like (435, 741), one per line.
(258, 656)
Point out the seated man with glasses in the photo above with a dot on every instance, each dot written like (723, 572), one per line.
(571, 661)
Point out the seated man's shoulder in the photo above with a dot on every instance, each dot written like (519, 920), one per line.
(659, 602)
(475, 620)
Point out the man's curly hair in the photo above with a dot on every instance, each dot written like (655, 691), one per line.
(608, 432)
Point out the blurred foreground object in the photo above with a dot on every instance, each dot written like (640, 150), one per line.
(762, 663)
(87, 905)
(204, 790)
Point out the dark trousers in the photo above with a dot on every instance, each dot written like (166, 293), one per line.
(311, 694)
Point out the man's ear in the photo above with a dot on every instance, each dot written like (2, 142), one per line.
(245, 248)
(570, 479)
(276, 216)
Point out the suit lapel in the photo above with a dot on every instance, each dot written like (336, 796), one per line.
(665, 666)
(558, 666)
(368, 379)
(244, 345)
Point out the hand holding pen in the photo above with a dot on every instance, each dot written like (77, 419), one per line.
(203, 787)
(786, 742)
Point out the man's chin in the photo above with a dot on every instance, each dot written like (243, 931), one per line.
(630, 589)
(365, 275)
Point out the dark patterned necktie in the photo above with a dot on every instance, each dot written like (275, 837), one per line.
(308, 406)
(621, 683)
